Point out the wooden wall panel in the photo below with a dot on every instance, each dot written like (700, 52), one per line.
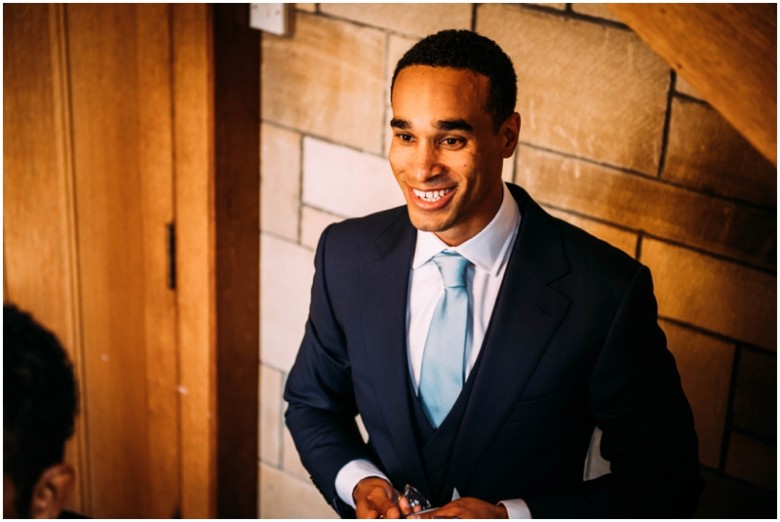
(119, 60)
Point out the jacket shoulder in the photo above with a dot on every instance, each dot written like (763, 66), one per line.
(556, 240)
(357, 239)
(583, 246)
(369, 226)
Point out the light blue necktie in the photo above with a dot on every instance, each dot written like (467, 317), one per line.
(441, 376)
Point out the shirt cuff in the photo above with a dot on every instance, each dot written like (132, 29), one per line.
(353, 472)
(516, 508)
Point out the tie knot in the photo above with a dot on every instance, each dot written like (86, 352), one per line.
(453, 269)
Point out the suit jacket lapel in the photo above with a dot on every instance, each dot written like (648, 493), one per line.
(384, 288)
(526, 314)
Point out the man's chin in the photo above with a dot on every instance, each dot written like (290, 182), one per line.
(428, 225)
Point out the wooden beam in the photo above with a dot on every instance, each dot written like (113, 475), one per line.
(727, 52)
(237, 212)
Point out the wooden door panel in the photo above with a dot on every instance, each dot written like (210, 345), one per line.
(109, 221)
(119, 58)
(88, 194)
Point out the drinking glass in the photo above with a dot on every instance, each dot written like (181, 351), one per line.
(417, 502)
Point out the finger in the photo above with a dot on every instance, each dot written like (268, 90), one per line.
(450, 510)
(430, 513)
(369, 509)
(362, 512)
(390, 510)
(377, 503)
(366, 495)
(446, 512)
(384, 506)
(404, 506)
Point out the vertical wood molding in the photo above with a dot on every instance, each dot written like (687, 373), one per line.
(194, 194)
(82, 500)
(153, 40)
(237, 207)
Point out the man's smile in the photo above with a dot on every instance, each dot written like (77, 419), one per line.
(431, 195)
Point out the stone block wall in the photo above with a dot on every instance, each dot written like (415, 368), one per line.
(612, 140)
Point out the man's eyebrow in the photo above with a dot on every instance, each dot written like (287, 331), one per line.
(445, 125)
(449, 125)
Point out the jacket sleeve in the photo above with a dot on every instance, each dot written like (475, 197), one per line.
(321, 406)
(636, 398)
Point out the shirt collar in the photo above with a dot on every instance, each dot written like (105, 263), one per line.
(487, 249)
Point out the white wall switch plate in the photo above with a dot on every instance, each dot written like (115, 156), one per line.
(272, 18)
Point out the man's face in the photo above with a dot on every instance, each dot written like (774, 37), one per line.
(445, 154)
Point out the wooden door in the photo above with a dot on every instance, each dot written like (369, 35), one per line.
(111, 148)
(88, 137)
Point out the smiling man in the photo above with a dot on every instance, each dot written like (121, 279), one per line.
(446, 154)
(480, 339)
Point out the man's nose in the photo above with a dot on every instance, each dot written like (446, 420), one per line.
(426, 163)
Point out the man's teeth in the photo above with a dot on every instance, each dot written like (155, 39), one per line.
(431, 195)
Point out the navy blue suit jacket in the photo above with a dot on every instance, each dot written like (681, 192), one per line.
(573, 344)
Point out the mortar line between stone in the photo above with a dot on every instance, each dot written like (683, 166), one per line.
(667, 123)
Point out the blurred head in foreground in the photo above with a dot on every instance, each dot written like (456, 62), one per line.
(39, 407)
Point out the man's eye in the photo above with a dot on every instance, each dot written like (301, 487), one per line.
(452, 142)
(404, 137)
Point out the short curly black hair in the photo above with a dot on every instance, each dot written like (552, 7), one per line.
(40, 402)
(462, 49)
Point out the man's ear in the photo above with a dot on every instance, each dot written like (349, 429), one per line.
(510, 133)
(52, 491)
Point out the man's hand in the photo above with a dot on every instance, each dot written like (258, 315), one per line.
(375, 498)
(467, 507)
